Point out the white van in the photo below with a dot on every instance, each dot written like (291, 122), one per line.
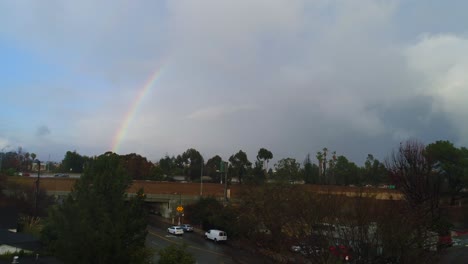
(216, 235)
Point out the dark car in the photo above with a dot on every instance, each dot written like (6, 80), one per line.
(341, 251)
(187, 228)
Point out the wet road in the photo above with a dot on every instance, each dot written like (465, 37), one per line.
(204, 251)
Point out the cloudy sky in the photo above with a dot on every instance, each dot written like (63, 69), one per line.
(158, 77)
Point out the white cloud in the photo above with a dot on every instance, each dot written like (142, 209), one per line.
(442, 61)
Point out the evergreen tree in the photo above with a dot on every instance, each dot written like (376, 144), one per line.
(95, 224)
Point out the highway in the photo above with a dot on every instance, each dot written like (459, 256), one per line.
(204, 251)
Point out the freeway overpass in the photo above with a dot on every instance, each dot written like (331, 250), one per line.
(168, 195)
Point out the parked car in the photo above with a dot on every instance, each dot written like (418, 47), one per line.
(216, 235)
(341, 251)
(187, 228)
(311, 247)
(295, 248)
(176, 230)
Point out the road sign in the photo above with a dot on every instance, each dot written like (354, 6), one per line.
(180, 209)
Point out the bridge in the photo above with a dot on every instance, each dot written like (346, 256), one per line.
(166, 196)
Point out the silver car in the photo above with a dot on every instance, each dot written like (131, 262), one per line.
(187, 228)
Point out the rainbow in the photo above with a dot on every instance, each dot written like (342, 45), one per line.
(130, 115)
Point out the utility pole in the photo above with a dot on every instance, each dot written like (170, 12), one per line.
(37, 185)
(225, 181)
(201, 179)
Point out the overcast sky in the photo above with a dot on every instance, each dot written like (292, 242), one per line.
(357, 77)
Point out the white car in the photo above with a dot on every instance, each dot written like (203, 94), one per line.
(216, 235)
(176, 230)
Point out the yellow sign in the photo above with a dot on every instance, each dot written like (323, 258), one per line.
(180, 209)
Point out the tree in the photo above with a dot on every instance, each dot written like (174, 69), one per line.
(137, 167)
(287, 170)
(258, 175)
(205, 212)
(310, 171)
(374, 171)
(212, 168)
(194, 162)
(264, 155)
(319, 157)
(412, 172)
(325, 151)
(73, 162)
(176, 254)
(240, 164)
(95, 223)
(451, 163)
(346, 172)
(169, 166)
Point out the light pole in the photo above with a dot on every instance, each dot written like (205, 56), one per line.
(179, 208)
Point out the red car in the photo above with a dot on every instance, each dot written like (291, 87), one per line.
(341, 251)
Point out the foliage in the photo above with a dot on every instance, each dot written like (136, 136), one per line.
(137, 167)
(452, 164)
(346, 172)
(30, 225)
(240, 164)
(176, 254)
(195, 162)
(205, 212)
(413, 174)
(287, 170)
(95, 224)
(374, 172)
(274, 213)
(73, 162)
(257, 175)
(264, 155)
(167, 166)
(24, 198)
(212, 214)
(310, 171)
(212, 168)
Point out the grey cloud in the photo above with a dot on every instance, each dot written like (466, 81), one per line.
(290, 76)
(42, 131)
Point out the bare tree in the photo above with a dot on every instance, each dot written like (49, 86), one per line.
(412, 172)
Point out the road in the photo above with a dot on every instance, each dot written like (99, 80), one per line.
(458, 253)
(204, 251)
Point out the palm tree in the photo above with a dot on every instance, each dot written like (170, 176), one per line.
(320, 159)
(325, 150)
(33, 157)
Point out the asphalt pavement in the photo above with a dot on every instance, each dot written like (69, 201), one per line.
(204, 251)
(458, 253)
